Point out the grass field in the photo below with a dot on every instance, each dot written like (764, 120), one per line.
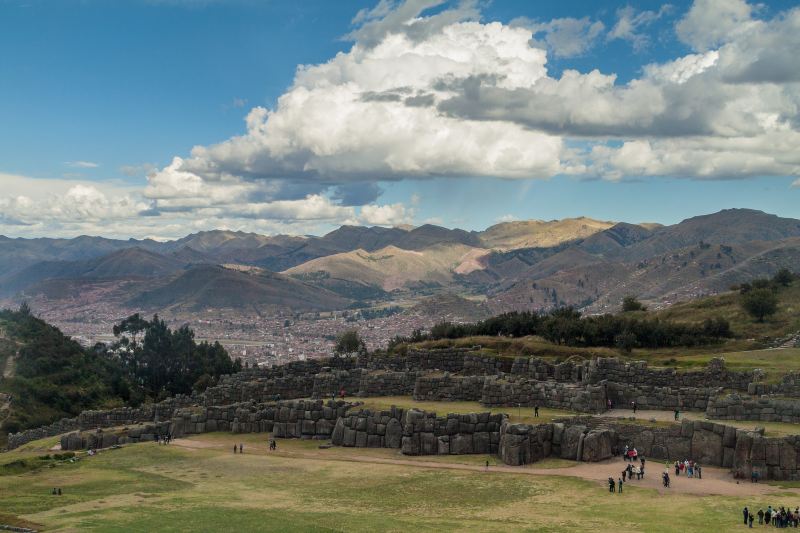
(522, 415)
(147, 487)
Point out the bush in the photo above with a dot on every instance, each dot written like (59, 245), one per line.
(630, 303)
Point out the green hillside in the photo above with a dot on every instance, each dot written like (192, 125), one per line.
(49, 376)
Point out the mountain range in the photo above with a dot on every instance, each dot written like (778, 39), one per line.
(583, 262)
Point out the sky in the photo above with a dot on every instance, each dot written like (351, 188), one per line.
(161, 118)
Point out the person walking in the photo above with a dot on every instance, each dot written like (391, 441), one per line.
(234, 448)
(633, 406)
(241, 448)
(677, 414)
(536, 411)
(698, 470)
(745, 514)
(624, 473)
(619, 486)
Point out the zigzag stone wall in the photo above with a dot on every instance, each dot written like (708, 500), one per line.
(764, 408)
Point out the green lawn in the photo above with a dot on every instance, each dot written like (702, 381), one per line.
(147, 487)
(522, 415)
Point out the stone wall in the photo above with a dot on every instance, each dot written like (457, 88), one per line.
(84, 440)
(449, 388)
(513, 391)
(455, 434)
(307, 419)
(765, 408)
(715, 374)
(542, 370)
(387, 383)
(661, 398)
(369, 429)
(103, 419)
(789, 386)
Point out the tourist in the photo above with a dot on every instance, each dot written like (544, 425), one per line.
(487, 466)
(536, 411)
(677, 468)
(234, 448)
(59, 491)
(625, 453)
(624, 473)
(641, 471)
(241, 448)
(619, 486)
(665, 478)
(677, 413)
(768, 514)
(745, 513)
(633, 406)
(750, 520)
(608, 404)
(760, 516)
(611, 484)
(698, 470)
(54, 491)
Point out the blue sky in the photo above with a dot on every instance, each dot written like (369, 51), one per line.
(104, 95)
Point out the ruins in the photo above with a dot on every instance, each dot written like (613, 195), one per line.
(299, 400)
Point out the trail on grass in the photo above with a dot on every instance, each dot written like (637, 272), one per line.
(716, 481)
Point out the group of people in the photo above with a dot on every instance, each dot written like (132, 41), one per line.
(163, 439)
(629, 453)
(778, 517)
(630, 472)
(241, 448)
(56, 491)
(690, 468)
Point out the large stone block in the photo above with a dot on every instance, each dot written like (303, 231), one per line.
(597, 445)
(707, 447)
(678, 448)
(570, 441)
(394, 434)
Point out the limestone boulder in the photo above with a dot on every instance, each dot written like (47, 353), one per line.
(707, 447)
(597, 445)
(570, 441)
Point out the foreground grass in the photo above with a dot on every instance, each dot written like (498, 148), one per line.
(148, 487)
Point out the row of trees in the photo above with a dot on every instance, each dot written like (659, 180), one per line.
(566, 326)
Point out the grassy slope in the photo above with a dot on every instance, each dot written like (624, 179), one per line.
(745, 351)
(146, 488)
(786, 320)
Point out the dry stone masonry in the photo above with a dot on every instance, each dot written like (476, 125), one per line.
(301, 400)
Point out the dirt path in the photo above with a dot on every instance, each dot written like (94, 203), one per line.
(716, 481)
(659, 416)
(8, 370)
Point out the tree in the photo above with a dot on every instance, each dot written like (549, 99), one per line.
(630, 303)
(759, 303)
(625, 341)
(783, 277)
(348, 343)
